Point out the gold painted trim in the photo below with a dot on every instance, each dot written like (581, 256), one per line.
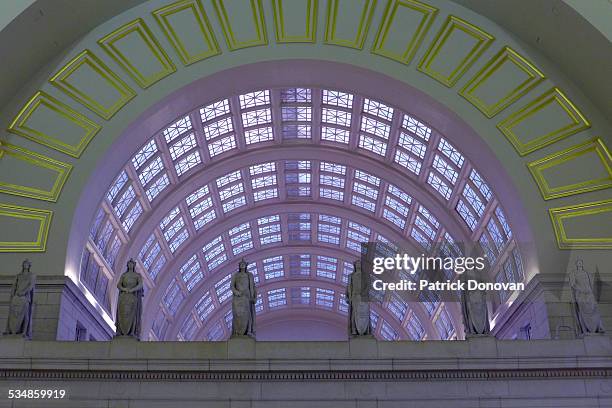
(452, 23)
(362, 29)
(62, 169)
(162, 14)
(579, 122)
(429, 14)
(43, 216)
(558, 215)
(61, 80)
(311, 23)
(258, 19)
(139, 27)
(538, 167)
(506, 54)
(19, 125)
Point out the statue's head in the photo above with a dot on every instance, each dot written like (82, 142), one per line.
(131, 265)
(579, 263)
(242, 266)
(26, 265)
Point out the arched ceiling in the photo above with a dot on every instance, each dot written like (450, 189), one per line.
(550, 27)
(511, 96)
(301, 175)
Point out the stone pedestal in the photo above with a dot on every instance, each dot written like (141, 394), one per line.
(241, 347)
(12, 345)
(363, 347)
(482, 346)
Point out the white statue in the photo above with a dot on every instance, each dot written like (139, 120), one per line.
(475, 312)
(359, 306)
(21, 302)
(585, 304)
(243, 301)
(129, 305)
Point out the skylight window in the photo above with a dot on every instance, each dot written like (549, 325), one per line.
(298, 225)
(325, 298)
(335, 134)
(191, 272)
(252, 99)
(263, 181)
(240, 238)
(397, 206)
(397, 307)
(189, 328)
(257, 135)
(329, 229)
(467, 215)
(356, 235)
(295, 95)
(214, 110)
(204, 307)
(222, 289)
(176, 129)
(439, 185)
(276, 298)
(326, 267)
(200, 206)
(297, 178)
(378, 109)
(273, 267)
(387, 332)
(481, 185)
(337, 98)
(331, 181)
(416, 128)
(444, 325)
(214, 253)
(300, 296)
(173, 297)
(365, 190)
(117, 186)
(474, 200)
(415, 328)
(269, 229)
(299, 265)
(144, 154)
(231, 191)
(449, 151)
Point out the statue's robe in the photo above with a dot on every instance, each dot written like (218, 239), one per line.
(585, 304)
(21, 305)
(475, 314)
(243, 307)
(129, 306)
(358, 309)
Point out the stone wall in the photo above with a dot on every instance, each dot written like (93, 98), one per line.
(478, 372)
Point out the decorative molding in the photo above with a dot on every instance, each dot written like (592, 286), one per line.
(451, 25)
(42, 216)
(20, 126)
(506, 55)
(137, 27)
(311, 22)
(259, 22)
(304, 375)
(560, 214)
(62, 169)
(362, 28)
(428, 15)
(61, 80)
(163, 16)
(596, 145)
(577, 119)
